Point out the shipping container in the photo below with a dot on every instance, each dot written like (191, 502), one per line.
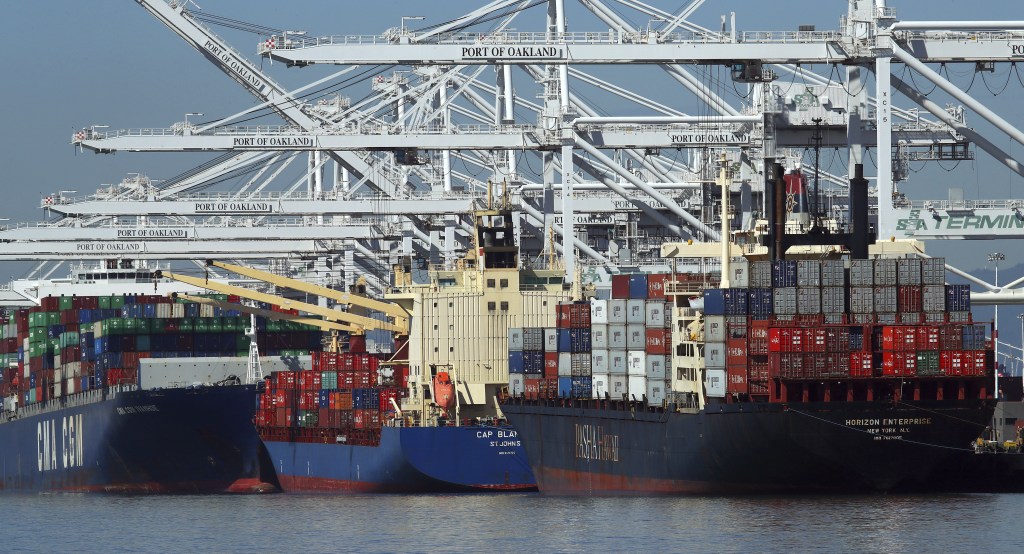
(759, 302)
(636, 336)
(908, 271)
(784, 273)
(599, 337)
(636, 362)
(617, 338)
(808, 300)
(735, 301)
(598, 312)
(616, 311)
(533, 338)
(618, 362)
(909, 298)
(761, 274)
(620, 286)
(600, 361)
(714, 355)
(636, 311)
(654, 313)
(739, 272)
(551, 364)
(833, 300)
(657, 366)
(601, 385)
(637, 387)
(580, 365)
(564, 364)
(656, 286)
(714, 328)
(784, 301)
(885, 272)
(833, 273)
(933, 271)
(885, 299)
(657, 391)
(958, 298)
(714, 302)
(714, 382)
(550, 340)
(808, 273)
(638, 286)
(658, 341)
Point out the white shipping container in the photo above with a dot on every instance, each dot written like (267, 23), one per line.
(516, 383)
(599, 385)
(739, 272)
(75, 369)
(598, 337)
(637, 387)
(617, 310)
(636, 336)
(616, 336)
(635, 311)
(714, 354)
(618, 385)
(550, 340)
(657, 391)
(57, 389)
(72, 386)
(565, 364)
(617, 362)
(636, 362)
(599, 312)
(714, 382)
(655, 315)
(56, 360)
(163, 310)
(714, 328)
(656, 366)
(600, 361)
(515, 339)
(177, 311)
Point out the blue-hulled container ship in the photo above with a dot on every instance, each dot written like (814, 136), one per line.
(78, 417)
(817, 364)
(424, 416)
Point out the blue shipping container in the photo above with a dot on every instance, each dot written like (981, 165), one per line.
(515, 362)
(714, 302)
(564, 387)
(564, 340)
(784, 273)
(735, 301)
(533, 362)
(579, 340)
(638, 286)
(958, 298)
(760, 302)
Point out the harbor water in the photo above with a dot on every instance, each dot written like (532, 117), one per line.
(528, 522)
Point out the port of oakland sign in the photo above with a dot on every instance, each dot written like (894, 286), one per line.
(499, 53)
(963, 222)
(234, 207)
(284, 142)
(708, 138)
(175, 233)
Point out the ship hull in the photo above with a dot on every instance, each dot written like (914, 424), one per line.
(744, 448)
(407, 460)
(143, 441)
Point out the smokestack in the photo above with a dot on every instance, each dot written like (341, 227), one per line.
(859, 213)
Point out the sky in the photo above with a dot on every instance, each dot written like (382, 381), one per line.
(69, 65)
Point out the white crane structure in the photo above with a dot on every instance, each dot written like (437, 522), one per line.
(607, 134)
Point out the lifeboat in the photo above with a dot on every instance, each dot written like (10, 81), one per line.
(444, 391)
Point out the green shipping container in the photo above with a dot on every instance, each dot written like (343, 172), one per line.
(104, 302)
(116, 302)
(64, 303)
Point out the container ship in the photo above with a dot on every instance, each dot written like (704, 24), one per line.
(81, 413)
(422, 416)
(829, 371)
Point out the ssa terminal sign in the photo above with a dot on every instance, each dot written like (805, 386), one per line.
(961, 223)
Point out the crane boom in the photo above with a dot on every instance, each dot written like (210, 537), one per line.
(328, 313)
(400, 314)
(322, 324)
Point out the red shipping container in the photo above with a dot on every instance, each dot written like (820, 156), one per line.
(908, 299)
(758, 347)
(899, 339)
(861, 364)
(785, 339)
(357, 344)
(551, 365)
(980, 363)
(387, 394)
(579, 316)
(562, 316)
(927, 338)
(758, 371)
(814, 340)
(758, 329)
(656, 286)
(736, 379)
(815, 365)
(531, 388)
(657, 341)
(620, 286)
(899, 363)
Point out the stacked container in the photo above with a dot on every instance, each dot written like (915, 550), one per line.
(71, 344)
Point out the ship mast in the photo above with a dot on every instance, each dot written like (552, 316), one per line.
(724, 183)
